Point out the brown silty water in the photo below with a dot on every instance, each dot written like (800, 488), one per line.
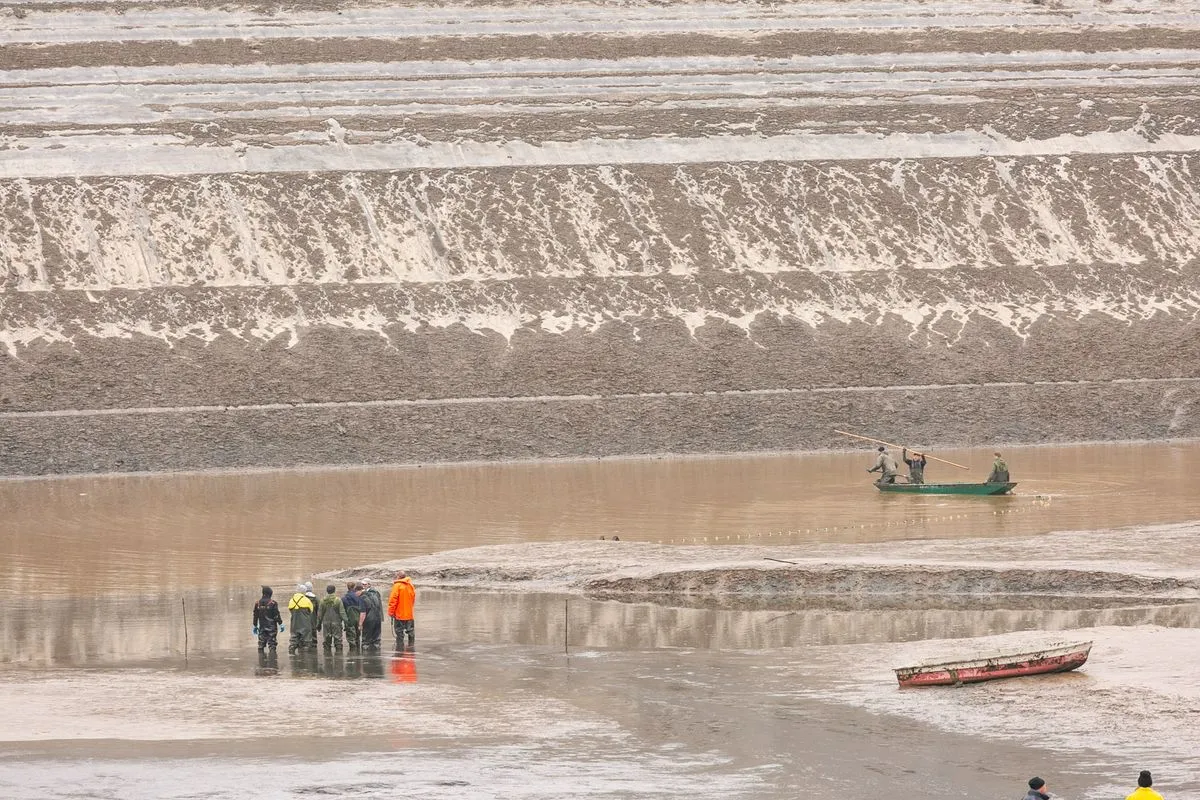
(130, 664)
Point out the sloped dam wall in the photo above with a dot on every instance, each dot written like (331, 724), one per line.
(356, 233)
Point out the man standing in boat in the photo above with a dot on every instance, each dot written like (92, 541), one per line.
(999, 473)
(916, 465)
(886, 466)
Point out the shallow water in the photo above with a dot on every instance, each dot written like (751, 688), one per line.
(129, 663)
(133, 533)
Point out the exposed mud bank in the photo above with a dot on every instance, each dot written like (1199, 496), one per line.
(719, 575)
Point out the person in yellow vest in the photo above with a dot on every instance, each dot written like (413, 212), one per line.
(1144, 792)
(303, 617)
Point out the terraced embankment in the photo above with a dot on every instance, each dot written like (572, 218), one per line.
(379, 233)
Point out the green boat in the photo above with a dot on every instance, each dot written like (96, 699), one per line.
(947, 488)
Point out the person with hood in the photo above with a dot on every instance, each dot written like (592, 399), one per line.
(331, 619)
(354, 608)
(266, 623)
(1037, 790)
(1144, 792)
(371, 617)
(303, 615)
(400, 609)
(312, 598)
(916, 465)
(999, 473)
(885, 465)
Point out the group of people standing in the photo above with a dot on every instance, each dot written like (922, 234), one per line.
(355, 617)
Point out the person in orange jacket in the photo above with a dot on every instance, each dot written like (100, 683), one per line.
(400, 609)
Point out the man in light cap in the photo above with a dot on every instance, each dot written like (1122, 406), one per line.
(1037, 790)
(371, 616)
(303, 614)
(400, 609)
(1144, 792)
(316, 601)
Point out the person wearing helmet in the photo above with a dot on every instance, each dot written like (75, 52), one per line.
(266, 621)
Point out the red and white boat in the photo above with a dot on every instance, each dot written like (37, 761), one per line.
(1054, 658)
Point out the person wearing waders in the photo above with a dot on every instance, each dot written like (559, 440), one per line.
(400, 609)
(312, 598)
(886, 466)
(371, 617)
(354, 608)
(916, 466)
(999, 473)
(302, 618)
(331, 619)
(267, 623)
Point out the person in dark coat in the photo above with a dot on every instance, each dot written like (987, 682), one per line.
(916, 466)
(266, 621)
(1037, 790)
(354, 608)
(371, 615)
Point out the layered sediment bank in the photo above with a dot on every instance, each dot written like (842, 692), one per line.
(409, 233)
(892, 575)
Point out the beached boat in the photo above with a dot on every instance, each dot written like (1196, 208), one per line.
(947, 488)
(1055, 658)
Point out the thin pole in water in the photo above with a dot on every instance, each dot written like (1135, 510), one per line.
(183, 600)
(566, 625)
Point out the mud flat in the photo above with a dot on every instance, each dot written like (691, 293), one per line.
(1136, 702)
(901, 571)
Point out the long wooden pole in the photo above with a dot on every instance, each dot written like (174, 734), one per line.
(889, 444)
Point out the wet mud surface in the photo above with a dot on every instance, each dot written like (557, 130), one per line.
(702, 666)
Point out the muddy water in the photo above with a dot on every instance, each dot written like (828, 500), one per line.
(117, 690)
(125, 534)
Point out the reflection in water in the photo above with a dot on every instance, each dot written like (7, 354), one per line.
(404, 666)
(152, 533)
(146, 630)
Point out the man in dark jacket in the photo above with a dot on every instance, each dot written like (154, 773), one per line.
(371, 615)
(267, 622)
(1037, 790)
(916, 466)
(354, 608)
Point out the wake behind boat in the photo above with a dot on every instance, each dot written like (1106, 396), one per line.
(1056, 658)
(947, 488)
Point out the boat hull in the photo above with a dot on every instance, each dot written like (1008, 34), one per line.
(1013, 665)
(947, 488)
